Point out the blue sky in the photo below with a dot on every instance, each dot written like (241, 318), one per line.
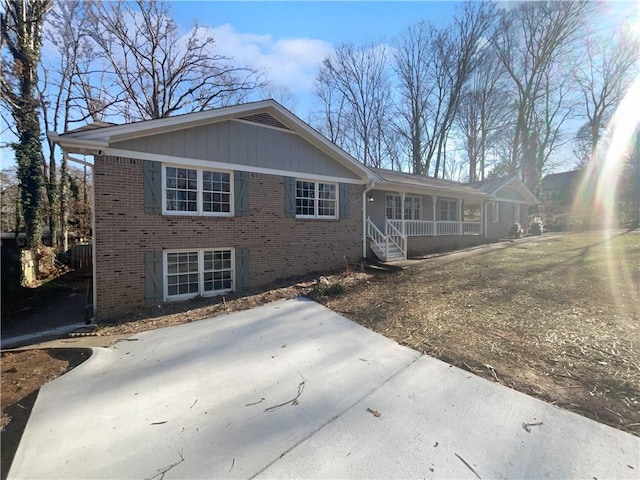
(290, 39)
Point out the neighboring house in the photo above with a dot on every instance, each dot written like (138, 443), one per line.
(507, 202)
(560, 187)
(236, 198)
(557, 194)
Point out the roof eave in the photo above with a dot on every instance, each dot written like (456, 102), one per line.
(77, 145)
(426, 190)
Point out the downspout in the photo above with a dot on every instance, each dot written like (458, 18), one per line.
(93, 227)
(364, 217)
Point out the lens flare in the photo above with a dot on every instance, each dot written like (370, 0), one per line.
(597, 198)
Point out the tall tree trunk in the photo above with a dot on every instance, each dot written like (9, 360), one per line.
(22, 34)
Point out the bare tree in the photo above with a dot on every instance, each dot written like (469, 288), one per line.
(432, 66)
(21, 32)
(483, 115)
(534, 40)
(603, 79)
(411, 66)
(353, 88)
(156, 71)
(461, 50)
(10, 219)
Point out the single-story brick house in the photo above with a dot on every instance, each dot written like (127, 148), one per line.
(238, 197)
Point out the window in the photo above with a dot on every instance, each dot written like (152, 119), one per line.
(412, 207)
(495, 212)
(316, 199)
(448, 210)
(198, 272)
(197, 191)
(217, 271)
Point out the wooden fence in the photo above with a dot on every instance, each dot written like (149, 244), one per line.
(81, 256)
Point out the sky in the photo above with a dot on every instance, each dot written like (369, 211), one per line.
(289, 40)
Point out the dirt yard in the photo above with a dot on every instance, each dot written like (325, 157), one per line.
(556, 317)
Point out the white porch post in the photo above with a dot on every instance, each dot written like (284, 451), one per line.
(482, 229)
(435, 225)
(402, 196)
(460, 215)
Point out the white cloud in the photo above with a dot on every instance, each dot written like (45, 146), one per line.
(288, 62)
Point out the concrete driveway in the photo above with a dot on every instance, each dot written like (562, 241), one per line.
(292, 389)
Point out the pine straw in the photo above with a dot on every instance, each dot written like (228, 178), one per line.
(539, 317)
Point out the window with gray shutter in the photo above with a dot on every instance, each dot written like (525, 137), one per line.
(241, 192)
(242, 269)
(289, 197)
(344, 200)
(152, 184)
(154, 276)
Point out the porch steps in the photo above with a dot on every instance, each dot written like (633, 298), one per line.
(395, 253)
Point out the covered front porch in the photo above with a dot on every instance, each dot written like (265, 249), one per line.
(401, 223)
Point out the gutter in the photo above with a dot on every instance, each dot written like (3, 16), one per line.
(86, 146)
(370, 187)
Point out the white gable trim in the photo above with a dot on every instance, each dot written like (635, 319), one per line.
(529, 198)
(101, 137)
(116, 152)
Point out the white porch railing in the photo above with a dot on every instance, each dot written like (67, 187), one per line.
(414, 228)
(471, 228)
(448, 228)
(425, 228)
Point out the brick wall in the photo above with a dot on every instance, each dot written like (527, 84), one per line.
(279, 247)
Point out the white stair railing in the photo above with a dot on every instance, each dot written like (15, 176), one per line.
(377, 237)
(384, 241)
(397, 238)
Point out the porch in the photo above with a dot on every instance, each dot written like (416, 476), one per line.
(398, 237)
(401, 223)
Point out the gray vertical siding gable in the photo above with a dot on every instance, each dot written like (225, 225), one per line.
(242, 144)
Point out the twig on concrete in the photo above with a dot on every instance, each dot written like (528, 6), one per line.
(468, 466)
(193, 405)
(233, 464)
(293, 401)
(527, 425)
(163, 471)
(255, 403)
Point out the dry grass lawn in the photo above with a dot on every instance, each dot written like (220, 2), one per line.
(555, 317)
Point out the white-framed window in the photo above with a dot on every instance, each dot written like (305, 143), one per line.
(412, 207)
(316, 199)
(448, 210)
(197, 191)
(495, 212)
(189, 273)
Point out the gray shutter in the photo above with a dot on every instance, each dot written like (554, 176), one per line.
(344, 200)
(242, 269)
(289, 197)
(154, 275)
(241, 192)
(152, 179)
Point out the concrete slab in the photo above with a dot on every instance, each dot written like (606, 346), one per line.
(214, 399)
(437, 421)
(206, 399)
(41, 336)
